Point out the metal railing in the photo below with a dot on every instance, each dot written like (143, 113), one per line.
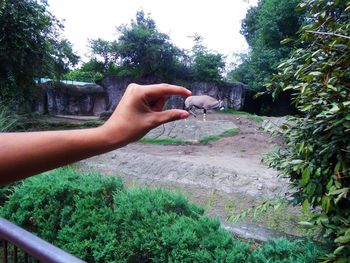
(33, 248)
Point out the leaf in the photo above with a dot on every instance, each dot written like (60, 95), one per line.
(306, 176)
(342, 239)
(307, 107)
(296, 162)
(305, 206)
(286, 41)
(338, 250)
(315, 73)
(305, 223)
(326, 204)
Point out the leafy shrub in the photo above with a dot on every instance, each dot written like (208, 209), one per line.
(283, 251)
(44, 204)
(94, 218)
(159, 226)
(90, 231)
(317, 157)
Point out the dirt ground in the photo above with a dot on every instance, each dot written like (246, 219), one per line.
(225, 176)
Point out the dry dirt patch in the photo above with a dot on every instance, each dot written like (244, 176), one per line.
(226, 176)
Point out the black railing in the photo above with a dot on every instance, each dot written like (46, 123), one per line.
(18, 245)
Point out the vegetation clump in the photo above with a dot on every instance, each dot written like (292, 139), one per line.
(98, 220)
(317, 156)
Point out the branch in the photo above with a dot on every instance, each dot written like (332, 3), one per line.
(327, 33)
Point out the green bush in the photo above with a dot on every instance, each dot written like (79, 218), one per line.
(44, 204)
(159, 226)
(283, 251)
(97, 220)
(317, 156)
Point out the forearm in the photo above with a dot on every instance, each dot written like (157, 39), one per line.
(140, 110)
(26, 154)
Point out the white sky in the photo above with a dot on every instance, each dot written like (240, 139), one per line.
(219, 21)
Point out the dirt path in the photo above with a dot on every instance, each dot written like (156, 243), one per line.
(230, 165)
(225, 176)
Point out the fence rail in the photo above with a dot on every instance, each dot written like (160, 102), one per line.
(32, 246)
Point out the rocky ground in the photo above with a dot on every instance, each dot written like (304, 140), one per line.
(225, 176)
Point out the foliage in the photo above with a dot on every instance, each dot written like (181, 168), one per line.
(317, 156)
(207, 66)
(90, 71)
(53, 199)
(30, 47)
(143, 52)
(163, 227)
(96, 219)
(8, 120)
(283, 251)
(264, 27)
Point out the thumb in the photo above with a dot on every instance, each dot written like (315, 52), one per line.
(171, 115)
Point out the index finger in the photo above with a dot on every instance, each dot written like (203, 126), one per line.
(167, 89)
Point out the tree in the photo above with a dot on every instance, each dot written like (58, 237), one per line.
(317, 156)
(90, 71)
(264, 27)
(207, 66)
(30, 47)
(145, 51)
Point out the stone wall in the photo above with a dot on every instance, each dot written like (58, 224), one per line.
(59, 98)
(233, 94)
(75, 100)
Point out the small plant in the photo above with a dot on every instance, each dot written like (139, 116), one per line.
(8, 120)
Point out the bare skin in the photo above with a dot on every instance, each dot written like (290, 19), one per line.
(140, 110)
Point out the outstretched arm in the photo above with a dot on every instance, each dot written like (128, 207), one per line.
(140, 110)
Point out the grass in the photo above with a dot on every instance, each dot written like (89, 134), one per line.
(249, 116)
(163, 141)
(8, 120)
(41, 126)
(212, 138)
(172, 141)
(230, 132)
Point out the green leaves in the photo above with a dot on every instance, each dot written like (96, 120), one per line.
(97, 220)
(270, 30)
(317, 159)
(30, 47)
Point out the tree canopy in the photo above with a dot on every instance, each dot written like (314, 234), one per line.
(30, 47)
(142, 51)
(264, 27)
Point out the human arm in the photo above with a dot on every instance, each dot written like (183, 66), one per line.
(140, 110)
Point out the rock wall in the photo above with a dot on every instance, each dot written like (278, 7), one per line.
(233, 94)
(59, 98)
(75, 100)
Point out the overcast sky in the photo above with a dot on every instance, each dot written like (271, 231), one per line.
(219, 21)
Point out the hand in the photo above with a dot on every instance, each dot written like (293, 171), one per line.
(141, 109)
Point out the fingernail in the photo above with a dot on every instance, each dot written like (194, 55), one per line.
(183, 115)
